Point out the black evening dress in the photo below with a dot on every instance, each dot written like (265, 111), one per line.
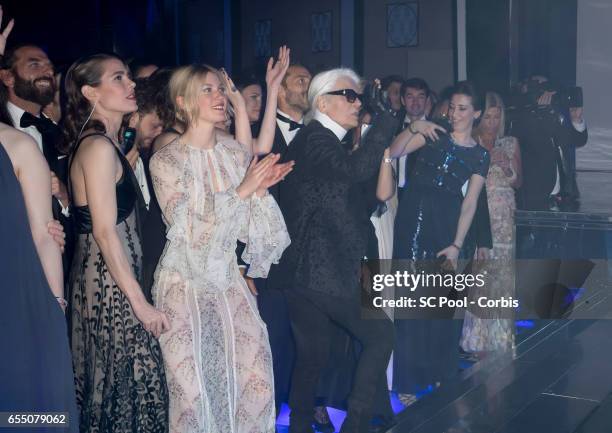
(119, 372)
(426, 350)
(35, 365)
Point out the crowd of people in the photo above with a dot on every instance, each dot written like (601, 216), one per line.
(183, 253)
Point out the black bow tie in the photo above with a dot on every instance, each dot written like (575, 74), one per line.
(42, 124)
(293, 125)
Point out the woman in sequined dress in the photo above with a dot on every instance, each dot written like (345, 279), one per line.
(432, 221)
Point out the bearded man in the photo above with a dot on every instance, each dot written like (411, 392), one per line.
(28, 85)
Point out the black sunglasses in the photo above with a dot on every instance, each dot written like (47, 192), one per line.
(349, 94)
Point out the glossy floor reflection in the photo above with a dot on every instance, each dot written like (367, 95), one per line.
(559, 382)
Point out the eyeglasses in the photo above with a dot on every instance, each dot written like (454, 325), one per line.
(349, 94)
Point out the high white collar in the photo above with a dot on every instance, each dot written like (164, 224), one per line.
(330, 124)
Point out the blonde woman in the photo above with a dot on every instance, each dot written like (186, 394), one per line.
(217, 355)
(482, 335)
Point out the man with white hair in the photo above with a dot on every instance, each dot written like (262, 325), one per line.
(322, 265)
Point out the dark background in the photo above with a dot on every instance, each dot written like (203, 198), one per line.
(541, 37)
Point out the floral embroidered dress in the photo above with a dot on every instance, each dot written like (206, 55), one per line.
(481, 334)
(217, 355)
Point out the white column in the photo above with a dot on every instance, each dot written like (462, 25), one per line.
(461, 42)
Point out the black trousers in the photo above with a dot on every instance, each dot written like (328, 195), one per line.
(273, 311)
(311, 316)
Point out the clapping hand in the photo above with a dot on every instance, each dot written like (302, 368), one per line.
(5, 33)
(255, 175)
(276, 70)
(276, 173)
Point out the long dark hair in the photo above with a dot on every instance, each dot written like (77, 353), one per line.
(86, 71)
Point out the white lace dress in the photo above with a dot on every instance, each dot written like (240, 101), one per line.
(217, 356)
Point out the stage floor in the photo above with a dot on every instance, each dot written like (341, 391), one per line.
(595, 192)
(560, 379)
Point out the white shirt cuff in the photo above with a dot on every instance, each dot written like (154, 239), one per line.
(579, 126)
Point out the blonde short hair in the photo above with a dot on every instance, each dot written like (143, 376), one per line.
(493, 100)
(185, 83)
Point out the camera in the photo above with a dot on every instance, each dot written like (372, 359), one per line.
(528, 94)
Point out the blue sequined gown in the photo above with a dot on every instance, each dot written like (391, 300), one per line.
(426, 350)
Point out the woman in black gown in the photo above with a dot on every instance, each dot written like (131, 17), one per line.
(119, 373)
(432, 221)
(35, 366)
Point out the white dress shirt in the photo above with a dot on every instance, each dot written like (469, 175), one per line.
(141, 177)
(330, 124)
(16, 112)
(284, 127)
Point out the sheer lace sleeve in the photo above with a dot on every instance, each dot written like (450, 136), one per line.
(266, 238)
(264, 231)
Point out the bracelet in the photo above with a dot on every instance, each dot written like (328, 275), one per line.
(388, 160)
(63, 303)
(456, 246)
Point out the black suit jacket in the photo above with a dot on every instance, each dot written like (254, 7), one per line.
(328, 239)
(278, 146)
(540, 135)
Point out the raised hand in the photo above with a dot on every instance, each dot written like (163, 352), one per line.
(233, 94)
(5, 33)
(276, 70)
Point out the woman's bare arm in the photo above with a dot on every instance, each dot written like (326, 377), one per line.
(35, 179)
(385, 187)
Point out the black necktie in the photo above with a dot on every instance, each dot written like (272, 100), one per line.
(293, 125)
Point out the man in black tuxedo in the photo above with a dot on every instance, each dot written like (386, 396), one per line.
(27, 76)
(320, 271)
(414, 93)
(292, 105)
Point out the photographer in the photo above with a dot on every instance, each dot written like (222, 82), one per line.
(549, 125)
